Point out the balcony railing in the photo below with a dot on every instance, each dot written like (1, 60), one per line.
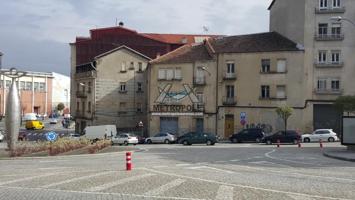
(229, 101)
(199, 81)
(230, 76)
(328, 91)
(329, 10)
(328, 64)
(199, 107)
(81, 94)
(88, 74)
(279, 98)
(329, 37)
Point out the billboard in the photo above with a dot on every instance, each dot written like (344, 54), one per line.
(348, 137)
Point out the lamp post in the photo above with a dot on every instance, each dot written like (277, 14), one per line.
(340, 18)
(13, 109)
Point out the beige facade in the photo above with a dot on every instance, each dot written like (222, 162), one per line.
(112, 90)
(329, 46)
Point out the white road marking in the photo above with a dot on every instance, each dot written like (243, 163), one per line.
(160, 190)
(118, 182)
(235, 160)
(25, 179)
(220, 161)
(243, 186)
(292, 161)
(77, 179)
(52, 168)
(211, 168)
(299, 197)
(225, 193)
(182, 165)
(160, 166)
(50, 161)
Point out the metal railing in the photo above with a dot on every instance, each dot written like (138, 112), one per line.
(329, 37)
(81, 94)
(329, 10)
(230, 76)
(328, 64)
(328, 91)
(229, 101)
(199, 80)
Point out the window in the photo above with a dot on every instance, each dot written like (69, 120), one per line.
(323, 29)
(335, 56)
(265, 65)
(123, 66)
(177, 74)
(139, 107)
(199, 96)
(77, 106)
(83, 106)
(123, 106)
(336, 29)
(169, 74)
(42, 86)
(131, 66)
(162, 74)
(281, 91)
(139, 87)
(22, 85)
(230, 91)
(322, 56)
(1, 83)
(7, 84)
(265, 91)
(230, 67)
(336, 3)
(89, 87)
(322, 84)
(83, 86)
(28, 85)
(89, 107)
(335, 84)
(35, 86)
(281, 66)
(140, 66)
(323, 4)
(123, 87)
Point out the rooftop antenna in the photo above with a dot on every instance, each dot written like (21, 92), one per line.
(205, 29)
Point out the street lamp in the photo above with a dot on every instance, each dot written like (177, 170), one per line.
(205, 69)
(340, 18)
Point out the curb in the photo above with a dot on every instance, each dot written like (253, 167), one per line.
(338, 157)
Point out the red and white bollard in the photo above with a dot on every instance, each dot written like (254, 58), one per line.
(278, 143)
(128, 161)
(299, 144)
(321, 143)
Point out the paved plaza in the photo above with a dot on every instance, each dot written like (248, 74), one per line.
(224, 171)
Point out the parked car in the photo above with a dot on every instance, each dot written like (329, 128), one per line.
(166, 138)
(124, 138)
(248, 135)
(289, 137)
(197, 138)
(74, 136)
(321, 134)
(53, 121)
(34, 124)
(2, 136)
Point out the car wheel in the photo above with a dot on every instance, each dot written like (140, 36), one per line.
(125, 143)
(209, 142)
(185, 142)
(268, 142)
(149, 141)
(234, 140)
(258, 140)
(331, 139)
(166, 141)
(307, 140)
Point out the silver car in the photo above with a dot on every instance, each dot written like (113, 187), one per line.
(166, 138)
(1, 136)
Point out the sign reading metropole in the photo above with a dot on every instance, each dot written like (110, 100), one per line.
(168, 102)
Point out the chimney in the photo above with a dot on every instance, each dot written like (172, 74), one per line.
(158, 55)
(1, 60)
(121, 24)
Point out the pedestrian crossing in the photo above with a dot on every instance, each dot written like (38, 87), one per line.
(141, 183)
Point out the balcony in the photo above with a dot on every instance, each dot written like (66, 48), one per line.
(329, 10)
(199, 107)
(88, 74)
(230, 76)
(81, 94)
(280, 98)
(199, 81)
(329, 37)
(328, 64)
(328, 91)
(81, 115)
(229, 101)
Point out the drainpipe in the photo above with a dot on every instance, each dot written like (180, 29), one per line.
(217, 94)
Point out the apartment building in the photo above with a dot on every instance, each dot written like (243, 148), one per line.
(108, 74)
(207, 87)
(329, 51)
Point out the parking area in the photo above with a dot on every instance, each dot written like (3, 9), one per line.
(223, 171)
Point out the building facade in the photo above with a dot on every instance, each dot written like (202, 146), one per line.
(208, 87)
(61, 91)
(329, 49)
(108, 74)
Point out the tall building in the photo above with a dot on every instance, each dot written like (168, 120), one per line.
(108, 74)
(329, 51)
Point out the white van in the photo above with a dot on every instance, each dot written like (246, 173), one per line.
(99, 132)
(30, 116)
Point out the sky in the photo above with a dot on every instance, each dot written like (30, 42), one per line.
(35, 34)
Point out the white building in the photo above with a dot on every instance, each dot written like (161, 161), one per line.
(61, 90)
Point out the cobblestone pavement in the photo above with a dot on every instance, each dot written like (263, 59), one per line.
(224, 171)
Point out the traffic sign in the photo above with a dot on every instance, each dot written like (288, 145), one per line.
(243, 115)
(51, 136)
(243, 122)
(140, 124)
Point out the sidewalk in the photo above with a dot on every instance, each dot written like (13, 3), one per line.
(341, 153)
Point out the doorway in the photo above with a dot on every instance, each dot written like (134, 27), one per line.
(228, 126)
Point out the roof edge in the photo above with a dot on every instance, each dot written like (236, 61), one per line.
(272, 3)
(122, 47)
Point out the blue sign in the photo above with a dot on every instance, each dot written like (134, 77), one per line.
(51, 136)
(243, 115)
